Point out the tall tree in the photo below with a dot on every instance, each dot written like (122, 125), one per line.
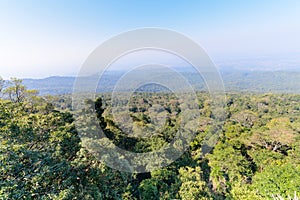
(15, 92)
(2, 81)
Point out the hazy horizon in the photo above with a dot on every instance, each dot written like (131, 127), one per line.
(53, 38)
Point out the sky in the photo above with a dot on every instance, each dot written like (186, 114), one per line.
(53, 37)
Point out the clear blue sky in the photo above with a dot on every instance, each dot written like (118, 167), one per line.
(52, 37)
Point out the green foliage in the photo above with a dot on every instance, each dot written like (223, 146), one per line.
(192, 185)
(43, 157)
(242, 191)
(281, 179)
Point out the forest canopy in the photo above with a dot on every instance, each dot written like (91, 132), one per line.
(42, 156)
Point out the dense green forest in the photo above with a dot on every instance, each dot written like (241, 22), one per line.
(256, 157)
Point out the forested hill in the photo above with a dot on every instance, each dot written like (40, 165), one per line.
(234, 80)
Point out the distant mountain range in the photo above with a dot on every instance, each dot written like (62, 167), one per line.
(234, 80)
